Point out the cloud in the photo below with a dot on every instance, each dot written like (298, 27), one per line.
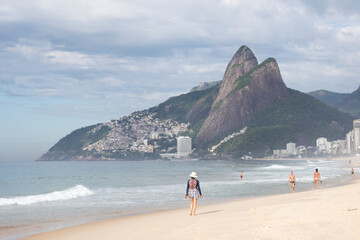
(46, 53)
(105, 108)
(148, 23)
(48, 70)
(91, 61)
(7, 13)
(70, 58)
(94, 51)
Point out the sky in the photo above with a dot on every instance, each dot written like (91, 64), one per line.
(66, 64)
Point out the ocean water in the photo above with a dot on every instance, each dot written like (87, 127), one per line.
(39, 196)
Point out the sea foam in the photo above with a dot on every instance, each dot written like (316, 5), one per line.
(70, 193)
(275, 166)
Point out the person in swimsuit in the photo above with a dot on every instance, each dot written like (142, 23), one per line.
(317, 178)
(193, 192)
(292, 182)
(352, 171)
(241, 174)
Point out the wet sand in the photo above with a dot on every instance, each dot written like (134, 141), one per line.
(332, 213)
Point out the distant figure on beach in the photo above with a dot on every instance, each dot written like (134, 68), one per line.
(241, 174)
(352, 171)
(193, 192)
(292, 182)
(317, 178)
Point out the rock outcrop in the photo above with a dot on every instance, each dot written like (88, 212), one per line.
(242, 62)
(245, 89)
(205, 85)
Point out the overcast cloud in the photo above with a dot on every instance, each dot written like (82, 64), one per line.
(91, 61)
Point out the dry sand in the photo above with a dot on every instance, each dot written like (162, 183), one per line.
(332, 213)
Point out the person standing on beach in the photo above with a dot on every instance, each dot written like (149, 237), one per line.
(316, 178)
(352, 171)
(241, 175)
(292, 182)
(193, 192)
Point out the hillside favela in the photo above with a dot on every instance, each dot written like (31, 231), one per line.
(179, 120)
(220, 120)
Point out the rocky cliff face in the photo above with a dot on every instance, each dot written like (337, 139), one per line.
(242, 62)
(245, 89)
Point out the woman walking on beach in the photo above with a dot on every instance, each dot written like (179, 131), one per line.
(316, 178)
(193, 191)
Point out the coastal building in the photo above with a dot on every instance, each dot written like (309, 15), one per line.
(277, 153)
(183, 146)
(291, 148)
(323, 146)
(154, 135)
(342, 146)
(350, 143)
(356, 124)
(301, 149)
(142, 148)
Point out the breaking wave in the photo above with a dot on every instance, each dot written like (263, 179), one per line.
(70, 193)
(275, 166)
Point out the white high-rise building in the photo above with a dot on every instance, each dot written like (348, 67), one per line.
(323, 145)
(291, 148)
(183, 146)
(357, 135)
(350, 142)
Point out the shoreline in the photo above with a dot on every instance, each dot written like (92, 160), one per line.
(223, 213)
(342, 158)
(354, 159)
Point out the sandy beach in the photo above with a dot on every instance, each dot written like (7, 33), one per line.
(332, 213)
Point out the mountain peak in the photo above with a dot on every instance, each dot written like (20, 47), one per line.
(242, 62)
(243, 55)
(243, 50)
(246, 88)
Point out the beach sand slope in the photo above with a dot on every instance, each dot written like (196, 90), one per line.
(332, 213)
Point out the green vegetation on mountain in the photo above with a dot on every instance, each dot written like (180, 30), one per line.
(217, 105)
(79, 138)
(192, 107)
(246, 79)
(345, 102)
(177, 108)
(351, 103)
(300, 119)
(72, 144)
(330, 98)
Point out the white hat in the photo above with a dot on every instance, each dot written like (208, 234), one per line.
(193, 174)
